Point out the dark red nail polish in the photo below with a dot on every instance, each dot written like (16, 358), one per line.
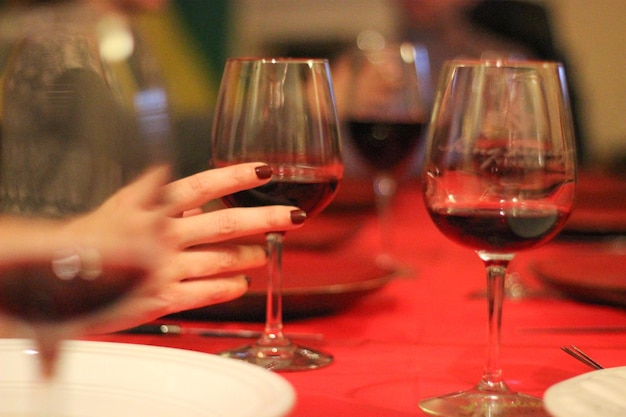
(263, 172)
(298, 216)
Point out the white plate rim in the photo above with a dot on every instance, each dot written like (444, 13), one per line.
(275, 395)
(592, 393)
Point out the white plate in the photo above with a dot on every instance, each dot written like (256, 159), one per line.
(597, 393)
(99, 379)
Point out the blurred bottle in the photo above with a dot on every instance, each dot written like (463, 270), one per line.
(83, 107)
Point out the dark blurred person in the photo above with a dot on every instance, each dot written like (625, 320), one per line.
(498, 29)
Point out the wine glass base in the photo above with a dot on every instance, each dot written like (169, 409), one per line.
(481, 403)
(285, 359)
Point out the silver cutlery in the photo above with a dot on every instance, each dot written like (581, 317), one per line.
(578, 354)
(175, 329)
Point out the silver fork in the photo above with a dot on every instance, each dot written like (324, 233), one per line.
(578, 354)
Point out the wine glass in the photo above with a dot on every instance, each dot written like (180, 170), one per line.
(499, 177)
(387, 104)
(83, 114)
(281, 112)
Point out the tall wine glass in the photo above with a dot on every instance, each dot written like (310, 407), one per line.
(499, 177)
(387, 104)
(83, 114)
(281, 112)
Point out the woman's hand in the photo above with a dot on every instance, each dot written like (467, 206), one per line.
(192, 260)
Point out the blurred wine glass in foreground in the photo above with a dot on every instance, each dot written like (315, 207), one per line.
(83, 114)
(387, 102)
(499, 175)
(280, 112)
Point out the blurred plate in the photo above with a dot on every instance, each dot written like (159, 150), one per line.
(100, 379)
(597, 393)
(315, 283)
(594, 273)
(600, 206)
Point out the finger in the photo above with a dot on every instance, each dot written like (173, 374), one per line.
(203, 292)
(163, 300)
(193, 212)
(194, 191)
(211, 260)
(146, 191)
(149, 186)
(231, 223)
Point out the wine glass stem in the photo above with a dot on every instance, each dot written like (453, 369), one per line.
(273, 334)
(384, 189)
(48, 401)
(496, 274)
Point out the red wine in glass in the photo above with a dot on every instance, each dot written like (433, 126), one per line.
(499, 177)
(386, 147)
(34, 293)
(496, 230)
(383, 144)
(387, 98)
(281, 112)
(310, 194)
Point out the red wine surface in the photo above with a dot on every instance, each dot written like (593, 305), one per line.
(500, 231)
(309, 194)
(384, 145)
(33, 293)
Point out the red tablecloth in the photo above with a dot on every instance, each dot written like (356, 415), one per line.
(424, 333)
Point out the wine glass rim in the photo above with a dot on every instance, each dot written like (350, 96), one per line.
(504, 63)
(278, 60)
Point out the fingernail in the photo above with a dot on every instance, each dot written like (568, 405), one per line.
(248, 280)
(298, 216)
(263, 172)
